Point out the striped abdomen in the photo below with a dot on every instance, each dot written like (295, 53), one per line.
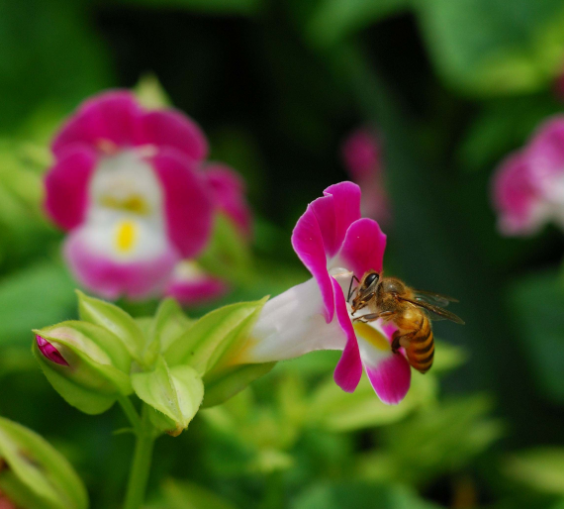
(421, 348)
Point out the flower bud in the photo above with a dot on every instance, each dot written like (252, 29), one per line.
(87, 364)
(33, 475)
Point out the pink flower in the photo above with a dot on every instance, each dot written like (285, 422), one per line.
(362, 155)
(126, 184)
(334, 242)
(528, 186)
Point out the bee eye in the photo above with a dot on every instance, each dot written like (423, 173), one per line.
(371, 279)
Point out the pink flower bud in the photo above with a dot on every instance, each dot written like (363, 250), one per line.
(49, 351)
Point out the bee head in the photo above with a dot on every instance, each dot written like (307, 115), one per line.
(366, 289)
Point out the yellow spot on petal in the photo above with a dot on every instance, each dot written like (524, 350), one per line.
(372, 336)
(126, 236)
(133, 203)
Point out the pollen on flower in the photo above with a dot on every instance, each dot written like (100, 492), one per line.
(126, 236)
(370, 334)
(49, 351)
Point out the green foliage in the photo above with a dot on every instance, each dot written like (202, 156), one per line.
(541, 469)
(39, 294)
(536, 304)
(241, 7)
(37, 476)
(333, 20)
(437, 440)
(494, 47)
(336, 410)
(358, 495)
(48, 52)
(188, 495)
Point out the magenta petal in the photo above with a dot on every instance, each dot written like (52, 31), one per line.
(49, 351)
(110, 116)
(339, 207)
(390, 378)
(364, 247)
(308, 245)
(172, 129)
(110, 278)
(515, 195)
(196, 292)
(229, 194)
(546, 151)
(188, 202)
(66, 186)
(349, 368)
(320, 231)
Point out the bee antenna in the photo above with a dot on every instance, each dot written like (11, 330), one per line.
(350, 292)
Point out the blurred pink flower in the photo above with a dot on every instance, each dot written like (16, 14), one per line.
(5, 502)
(362, 156)
(528, 186)
(130, 187)
(334, 242)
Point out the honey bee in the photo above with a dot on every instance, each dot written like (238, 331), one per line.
(410, 310)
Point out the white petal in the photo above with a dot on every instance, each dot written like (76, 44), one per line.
(291, 325)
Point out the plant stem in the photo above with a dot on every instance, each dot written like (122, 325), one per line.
(141, 464)
(130, 412)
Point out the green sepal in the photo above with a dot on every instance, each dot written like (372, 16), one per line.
(205, 345)
(169, 323)
(37, 477)
(114, 319)
(175, 392)
(226, 383)
(98, 365)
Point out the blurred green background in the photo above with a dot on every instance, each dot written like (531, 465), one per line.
(452, 86)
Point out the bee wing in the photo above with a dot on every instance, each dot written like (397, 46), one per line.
(435, 299)
(438, 312)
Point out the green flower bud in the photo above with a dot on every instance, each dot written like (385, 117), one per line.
(33, 475)
(87, 364)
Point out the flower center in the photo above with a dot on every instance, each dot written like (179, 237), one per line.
(134, 203)
(372, 336)
(126, 236)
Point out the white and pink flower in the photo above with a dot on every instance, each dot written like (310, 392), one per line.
(528, 186)
(334, 242)
(129, 185)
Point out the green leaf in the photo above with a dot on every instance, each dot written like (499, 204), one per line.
(225, 384)
(175, 392)
(187, 495)
(448, 357)
(338, 411)
(38, 476)
(536, 304)
(33, 297)
(541, 469)
(358, 495)
(114, 319)
(216, 7)
(213, 335)
(333, 20)
(495, 46)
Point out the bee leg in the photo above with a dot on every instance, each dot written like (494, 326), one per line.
(373, 316)
(396, 341)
